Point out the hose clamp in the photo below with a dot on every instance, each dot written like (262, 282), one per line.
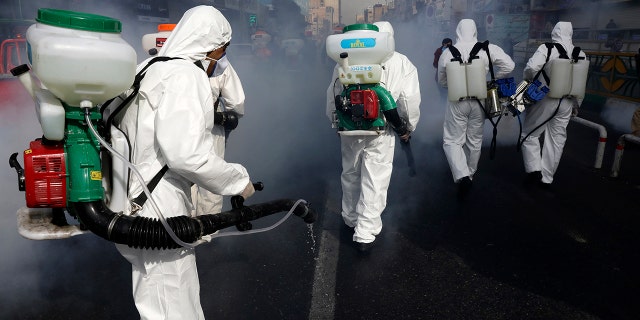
(113, 223)
(135, 207)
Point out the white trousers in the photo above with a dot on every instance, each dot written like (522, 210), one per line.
(165, 283)
(367, 163)
(546, 158)
(462, 137)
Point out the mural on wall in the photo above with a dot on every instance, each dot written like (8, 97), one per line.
(614, 75)
(506, 30)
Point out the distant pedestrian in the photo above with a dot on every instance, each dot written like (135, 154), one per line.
(611, 24)
(446, 43)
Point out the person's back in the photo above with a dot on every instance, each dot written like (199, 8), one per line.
(464, 120)
(466, 39)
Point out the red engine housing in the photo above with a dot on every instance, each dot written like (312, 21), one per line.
(368, 99)
(45, 175)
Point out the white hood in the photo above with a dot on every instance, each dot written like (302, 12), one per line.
(466, 32)
(202, 29)
(385, 26)
(562, 33)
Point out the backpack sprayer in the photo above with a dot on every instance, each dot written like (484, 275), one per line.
(569, 75)
(364, 107)
(81, 61)
(467, 80)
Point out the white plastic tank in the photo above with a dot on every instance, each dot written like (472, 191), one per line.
(579, 78)
(560, 78)
(80, 56)
(156, 40)
(360, 51)
(363, 42)
(50, 114)
(476, 79)
(466, 80)
(456, 80)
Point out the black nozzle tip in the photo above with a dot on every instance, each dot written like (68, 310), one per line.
(153, 51)
(311, 215)
(258, 186)
(20, 70)
(343, 55)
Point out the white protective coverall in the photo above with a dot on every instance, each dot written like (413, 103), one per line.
(227, 89)
(555, 130)
(464, 120)
(170, 122)
(367, 161)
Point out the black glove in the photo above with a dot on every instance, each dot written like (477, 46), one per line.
(228, 119)
(398, 124)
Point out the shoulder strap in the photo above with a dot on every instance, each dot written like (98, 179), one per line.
(142, 198)
(549, 46)
(474, 55)
(136, 87)
(456, 54)
(561, 51)
(575, 54)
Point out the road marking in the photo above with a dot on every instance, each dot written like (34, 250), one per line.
(323, 297)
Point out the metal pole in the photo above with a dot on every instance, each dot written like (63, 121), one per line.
(601, 141)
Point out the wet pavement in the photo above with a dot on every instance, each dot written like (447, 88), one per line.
(507, 251)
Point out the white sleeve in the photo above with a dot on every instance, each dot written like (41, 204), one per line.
(503, 65)
(185, 143)
(231, 91)
(409, 99)
(535, 63)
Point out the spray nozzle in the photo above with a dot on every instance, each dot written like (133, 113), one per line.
(345, 60)
(22, 72)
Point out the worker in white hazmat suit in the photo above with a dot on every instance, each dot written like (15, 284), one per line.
(170, 123)
(228, 95)
(367, 161)
(549, 115)
(464, 120)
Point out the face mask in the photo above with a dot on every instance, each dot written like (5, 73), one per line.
(221, 65)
